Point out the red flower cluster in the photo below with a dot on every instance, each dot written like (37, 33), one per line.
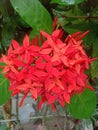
(54, 72)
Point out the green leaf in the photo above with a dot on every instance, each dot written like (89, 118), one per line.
(34, 14)
(82, 105)
(2, 64)
(33, 33)
(3, 9)
(4, 92)
(94, 65)
(67, 2)
(84, 26)
(8, 31)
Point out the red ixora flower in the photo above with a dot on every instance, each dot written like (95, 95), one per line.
(54, 72)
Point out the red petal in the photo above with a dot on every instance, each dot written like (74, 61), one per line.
(22, 100)
(71, 88)
(49, 84)
(80, 81)
(56, 90)
(15, 44)
(61, 101)
(78, 68)
(5, 59)
(52, 44)
(55, 58)
(66, 97)
(18, 63)
(41, 102)
(46, 51)
(54, 23)
(15, 92)
(35, 48)
(91, 88)
(64, 60)
(10, 50)
(23, 87)
(82, 35)
(44, 34)
(35, 84)
(26, 41)
(14, 70)
(55, 72)
(48, 67)
(60, 44)
(19, 50)
(40, 73)
(40, 64)
(76, 34)
(56, 33)
(27, 57)
(58, 82)
(33, 92)
(35, 41)
(53, 107)
(6, 69)
(51, 99)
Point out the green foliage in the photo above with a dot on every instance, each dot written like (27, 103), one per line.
(34, 14)
(4, 87)
(8, 31)
(94, 65)
(4, 92)
(83, 105)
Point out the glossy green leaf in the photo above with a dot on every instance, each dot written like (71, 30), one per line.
(83, 105)
(67, 2)
(4, 92)
(34, 14)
